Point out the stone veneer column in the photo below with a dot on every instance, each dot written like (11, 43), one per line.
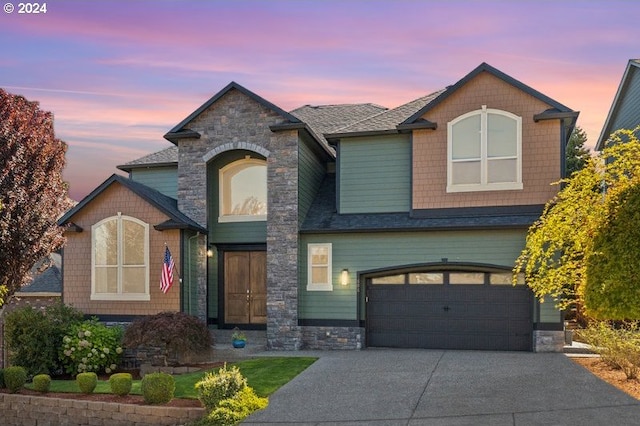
(192, 200)
(282, 243)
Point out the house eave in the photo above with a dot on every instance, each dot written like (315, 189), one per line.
(335, 137)
(174, 137)
(129, 167)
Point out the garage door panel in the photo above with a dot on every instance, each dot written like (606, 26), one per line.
(481, 317)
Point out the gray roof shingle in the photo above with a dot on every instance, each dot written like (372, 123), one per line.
(167, 156)
(323, 119)
(48, 280)
(389, 119)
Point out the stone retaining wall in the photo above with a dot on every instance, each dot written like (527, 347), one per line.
(27, 410)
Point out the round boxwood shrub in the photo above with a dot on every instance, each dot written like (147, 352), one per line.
(120, 383)
(158, 388)
(87, 382)
(15, 378)
(219, 385)
(41, 383)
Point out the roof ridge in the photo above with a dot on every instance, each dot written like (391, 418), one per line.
(387, 111)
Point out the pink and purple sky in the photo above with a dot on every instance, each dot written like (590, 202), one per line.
(119, 74)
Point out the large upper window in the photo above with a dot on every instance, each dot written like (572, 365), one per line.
(243, 191)
(120, 259)
(484, 151)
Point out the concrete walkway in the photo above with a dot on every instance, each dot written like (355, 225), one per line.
(431, 387)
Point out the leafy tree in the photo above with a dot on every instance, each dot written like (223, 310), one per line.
(577, 154)
(561, 243)
(32, 192)
(612, 287)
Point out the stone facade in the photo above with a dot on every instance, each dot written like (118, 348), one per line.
(282, 243)
(238, 122)
(548, 341)
(332, 338)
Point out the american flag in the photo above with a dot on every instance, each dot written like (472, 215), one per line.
(167, 271)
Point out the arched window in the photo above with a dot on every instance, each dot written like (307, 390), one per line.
(243, 191)
(484, 149)
(120, 259)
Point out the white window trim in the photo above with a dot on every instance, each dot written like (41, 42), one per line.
(484, 185)
(120, 296)
(222, 218)
(322, 286)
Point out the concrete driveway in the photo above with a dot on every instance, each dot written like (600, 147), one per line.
(431, 387)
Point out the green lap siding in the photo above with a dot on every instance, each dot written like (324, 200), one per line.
(363, 252)
(162, 179)
(311, 172)
(374, 174)
(626, 116)
(190, 274)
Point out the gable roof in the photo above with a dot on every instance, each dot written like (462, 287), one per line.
(484, 67)
(167, 205)
(165, 157)
(180, 131)
(624, 89)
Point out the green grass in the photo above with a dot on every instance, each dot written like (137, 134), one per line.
(264, 375)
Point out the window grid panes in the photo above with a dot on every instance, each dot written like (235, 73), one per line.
(319, 267)
(120, 259)
(450, 278)
(484, 151)
(243, 190)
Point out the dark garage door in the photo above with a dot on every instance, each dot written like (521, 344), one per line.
(449, 310)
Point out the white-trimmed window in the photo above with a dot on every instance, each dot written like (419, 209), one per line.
(319, 267)
(120, 259)
(484, 150)
(243, 191)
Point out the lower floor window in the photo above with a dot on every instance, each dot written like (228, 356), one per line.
(120, 259)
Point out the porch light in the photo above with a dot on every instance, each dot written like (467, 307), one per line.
(209, 253)
(344, 277)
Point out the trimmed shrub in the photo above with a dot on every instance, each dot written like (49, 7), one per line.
(216, 386)
(158, 388)
(41, 383)
(87, 382)
(120, 383)
(175, 333)
(15, 378)
(33, 336)
(232, 411)
(91, 346)
(1, 378)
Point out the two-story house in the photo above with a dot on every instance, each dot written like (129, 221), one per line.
(335, 226)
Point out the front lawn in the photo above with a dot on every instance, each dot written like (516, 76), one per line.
(264, 375)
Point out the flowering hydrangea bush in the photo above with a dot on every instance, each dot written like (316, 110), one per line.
(91, 347)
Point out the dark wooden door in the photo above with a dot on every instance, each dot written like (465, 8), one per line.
(245, 287)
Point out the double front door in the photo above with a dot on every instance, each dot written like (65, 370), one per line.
(245, 287)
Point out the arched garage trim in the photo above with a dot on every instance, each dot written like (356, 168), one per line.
(432, 266)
